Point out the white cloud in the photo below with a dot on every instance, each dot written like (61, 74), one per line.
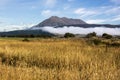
(50, 3)
(104, 10)
(3, 2)
(103, 14)
(11, 27)
(115, 1)
(80, 30)
(84, 12)
(66, 7)
(33, 7)
(96, 21)
(70, 0)
(80, 11)
(117, 18)
(48, 13)
(65, 29)
(112, 10)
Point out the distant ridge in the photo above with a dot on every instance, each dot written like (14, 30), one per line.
(57, 21)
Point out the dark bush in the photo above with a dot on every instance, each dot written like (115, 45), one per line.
(32, 36)
(96, 41)
(115, 44)
(93, 34)
(67, 35)
(107, 36)
(26, 40)
(118, 36)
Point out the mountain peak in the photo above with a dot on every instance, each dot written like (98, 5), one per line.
(57, 21)
(54, 17)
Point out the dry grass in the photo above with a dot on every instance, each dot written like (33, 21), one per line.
(58, 59)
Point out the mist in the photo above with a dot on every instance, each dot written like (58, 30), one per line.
(81, 30)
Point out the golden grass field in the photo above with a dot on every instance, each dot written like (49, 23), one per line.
(58, 59)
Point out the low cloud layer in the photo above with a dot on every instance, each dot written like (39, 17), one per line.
(80, 30)
(12, 27)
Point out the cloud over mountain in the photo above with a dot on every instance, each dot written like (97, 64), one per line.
(80, 30)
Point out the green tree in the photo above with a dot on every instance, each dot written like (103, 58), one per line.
(93, 34)
(67, 35)
(107, 36)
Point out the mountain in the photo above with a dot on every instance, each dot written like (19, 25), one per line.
(56, 25)
(57, 21)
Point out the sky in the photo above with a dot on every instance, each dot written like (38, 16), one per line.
(22, 14)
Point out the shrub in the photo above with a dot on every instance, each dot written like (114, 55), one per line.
(115, 44)
(107, 36)
(96, 41)
(118, 36)
(26, 40)
(32, 36)
(93, 34)
(67, 35)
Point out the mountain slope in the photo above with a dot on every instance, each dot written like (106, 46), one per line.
(56, 21)
(19, 33)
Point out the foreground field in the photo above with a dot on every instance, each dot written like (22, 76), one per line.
(58, 59)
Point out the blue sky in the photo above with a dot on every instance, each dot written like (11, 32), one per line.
(20, 14)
